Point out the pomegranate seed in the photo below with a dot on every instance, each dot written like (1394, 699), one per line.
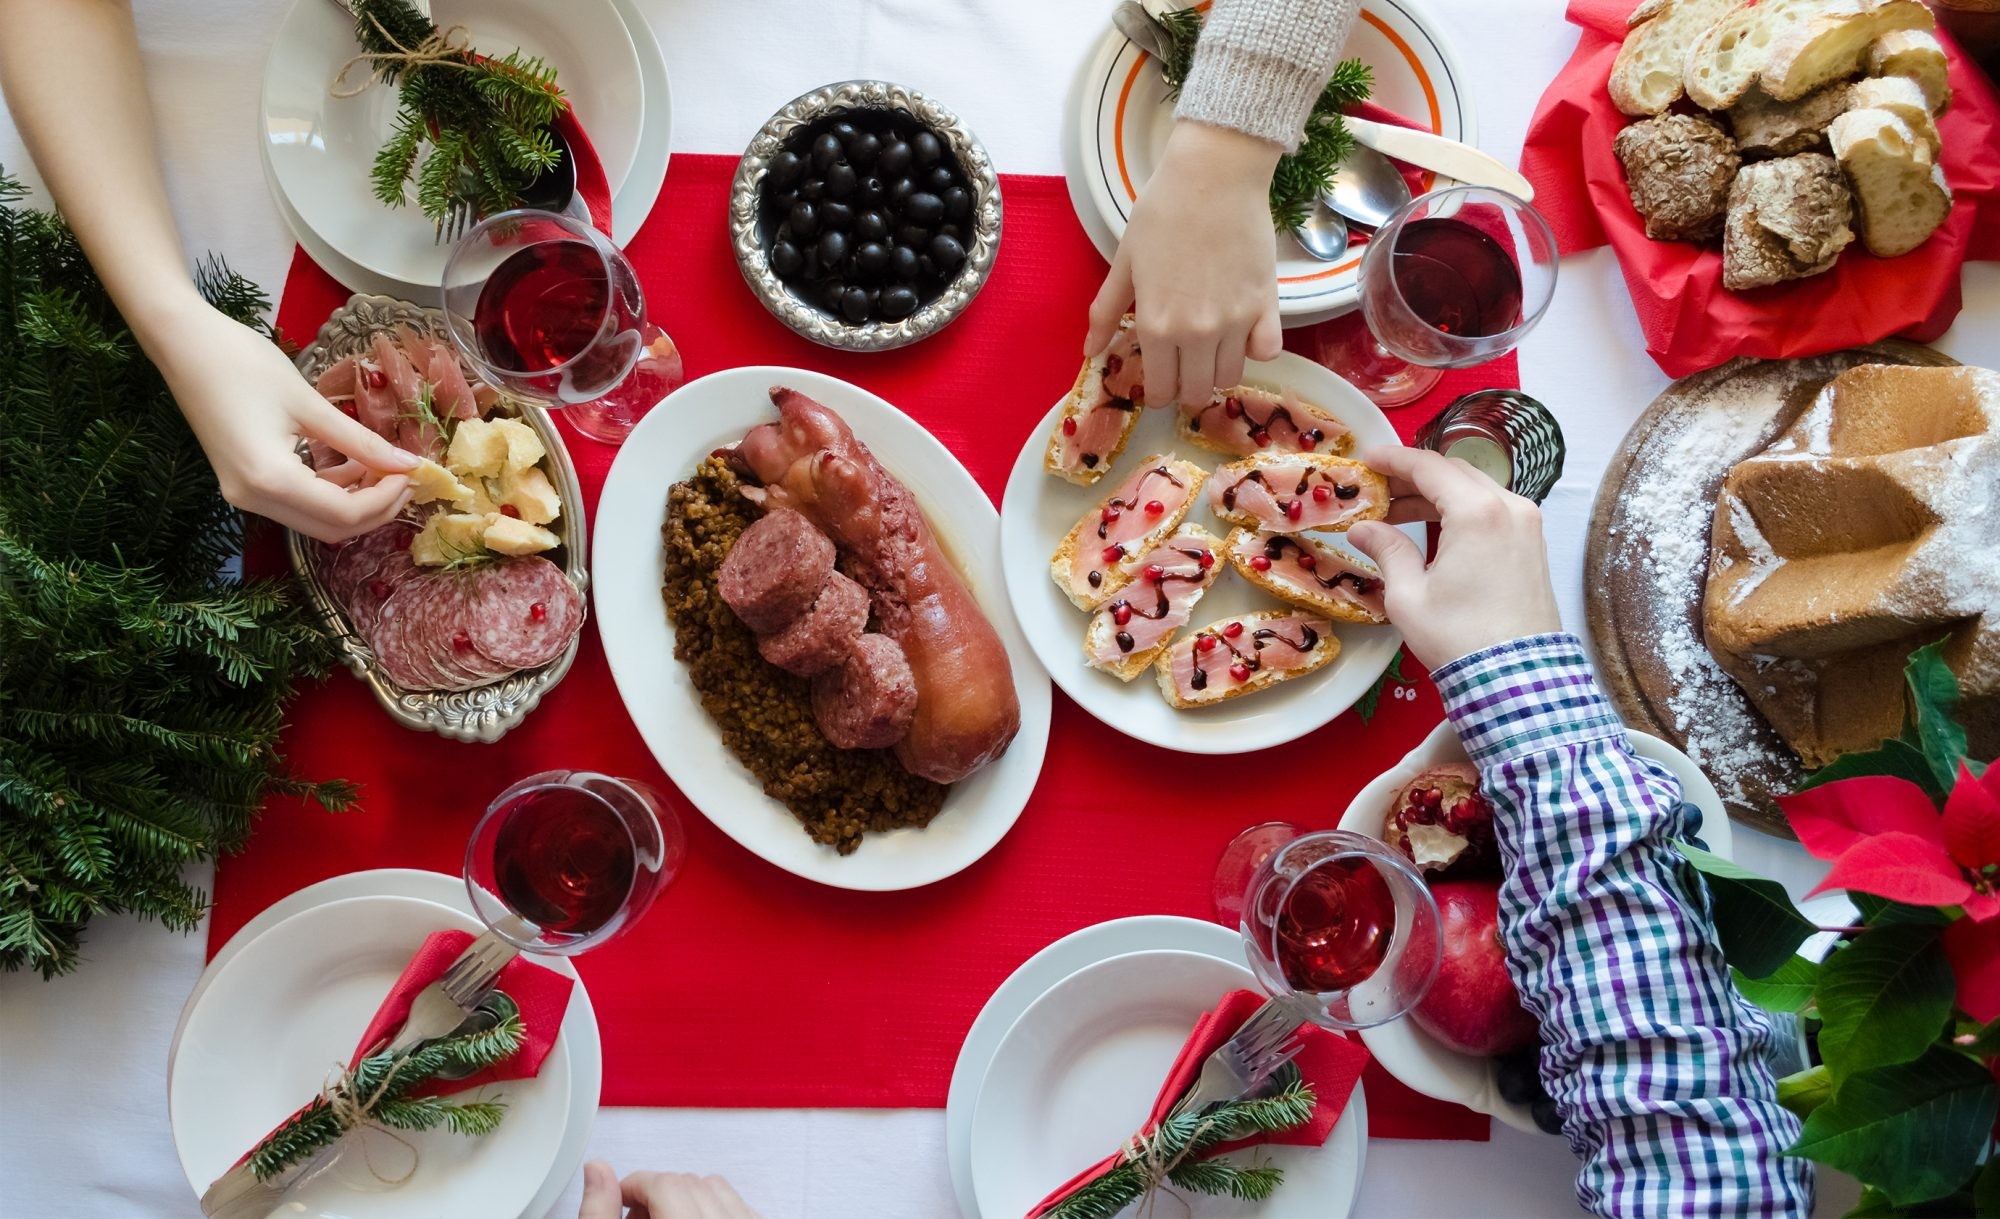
(1260, 437)
(1155, 573)
(1204, 642)
(1069, 427)
(461, 642)
(1233, 629)
(1306, 559)
(1112, 364)
(1309, 441)
(1113, 553)
(1322, 493)
(538, 611)
(1232, 407)
(1155, 507)
(1240, 671)
(1259, 563)
(379, 588)
(1138, 397)
(1113, 513)
(1295, 509)
(1206, 558)
(1121, 613)
(510, 510)
(377, 378)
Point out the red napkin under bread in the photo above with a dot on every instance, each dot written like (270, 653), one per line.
(1691, 321)
(1329, 1062)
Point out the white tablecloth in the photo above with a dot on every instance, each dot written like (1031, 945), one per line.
(83, 1124)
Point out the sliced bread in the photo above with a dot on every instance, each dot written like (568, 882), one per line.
(1830, 45)
(1725, 60)
(1646, 77)
(1902, 193)
(1766, 127)
(1916, 54)
(1900, 96)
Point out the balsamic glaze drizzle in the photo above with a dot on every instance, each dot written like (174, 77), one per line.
(1274, 550)
(1313, 437)
(1197, 576)
(1341, 491)
(1261, 637)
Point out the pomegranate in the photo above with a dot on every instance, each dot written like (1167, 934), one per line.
(1444, 823)
(1473, 1006)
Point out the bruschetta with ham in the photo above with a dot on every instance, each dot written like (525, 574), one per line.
(1104, 552)
(1244, 419)
(1100, 413)
(1310, 574)
(1291, 492)
(1128, 633)
(1244, 654)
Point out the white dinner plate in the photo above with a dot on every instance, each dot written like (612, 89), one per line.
(1122, 114)
(319, 148)
(285, 1011)
(1077, 1073)
(628, 572)
(1408, 1052)
(1039, 511)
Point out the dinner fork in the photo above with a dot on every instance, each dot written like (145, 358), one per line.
(1246, 1061)
(439, 1007)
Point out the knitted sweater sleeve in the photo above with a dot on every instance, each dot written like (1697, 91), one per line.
(1261, 64)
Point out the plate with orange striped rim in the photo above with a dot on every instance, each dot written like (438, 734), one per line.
(1124, 113)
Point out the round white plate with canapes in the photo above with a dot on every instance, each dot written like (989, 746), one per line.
(1041, 511)
(1063, 1062)
(1405, 1050)
(286, 998)
(666, 447)
(1121, 112)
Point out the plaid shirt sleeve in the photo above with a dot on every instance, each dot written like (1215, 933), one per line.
(1656, 1062)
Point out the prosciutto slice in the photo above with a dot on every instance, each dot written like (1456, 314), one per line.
(1310, 574)
(1172, 578)
(1100, 412)
(1245, 420)
(1284, 494)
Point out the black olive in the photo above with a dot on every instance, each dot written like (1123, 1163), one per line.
(812, 188)
(957, 203)
(832, 249)
(845, 132)
(874, 299)
(786, 259)
(870, 226)
(900, 192)
(903, 263)
(826, 150)
(895, 159)
(779, 203)
(811, 269)
(1517, 1079)
(864, 148)
(914, 236)
(804, 218)
(840, 180)
(926, 266)
(898, 303)
(786, 168)
(926, 148)
(942, 179)
(1547, 1117)
(836, 216)
(827, 294)
(854, 305)
(872, 257)
(869, 192)
(954, 231)
(924, 208)
(947, 254)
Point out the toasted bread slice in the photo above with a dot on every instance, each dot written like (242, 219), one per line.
(1288, 492)
(1083, 566)
(1310, 574)
(1246, 419)
(1916, 54)
(1902, 193)
(1902, 97)
(1153, 610)
(1646, 77)
(1831, 45)
(1100, 413)
(1242, 655)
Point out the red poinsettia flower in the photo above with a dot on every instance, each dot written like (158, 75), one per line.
(1884, 837)
(1973, 948)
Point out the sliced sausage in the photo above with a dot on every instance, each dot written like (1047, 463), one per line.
(821, 637)
(868, 699)
(775, 570)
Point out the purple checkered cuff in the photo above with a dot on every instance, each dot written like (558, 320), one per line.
(1523, 697)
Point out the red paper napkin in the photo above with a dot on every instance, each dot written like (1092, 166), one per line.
(1691, 321)
(591, 185)
(1330, 1063)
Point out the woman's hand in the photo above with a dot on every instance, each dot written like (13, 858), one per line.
(249, 408)
(1490, 580)
(657, 1195)
(1197, 266)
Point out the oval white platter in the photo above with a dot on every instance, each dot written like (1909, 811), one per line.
(1039, 511)
(1408, 1052)
(628, 571)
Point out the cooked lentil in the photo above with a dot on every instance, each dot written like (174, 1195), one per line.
(764, 712)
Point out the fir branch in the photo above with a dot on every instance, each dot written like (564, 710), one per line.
(1365, 705)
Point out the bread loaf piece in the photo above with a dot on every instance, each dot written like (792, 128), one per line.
(1646, 78)
(1917, 55)
(1832, 44)
(1726, 58)
(1901, 191)
(1900, 96)
(1788, 219)
(1678, 169)
(1767, 127)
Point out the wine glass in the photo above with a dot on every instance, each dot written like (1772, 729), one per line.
(1337, 921)
(566, 859)
(1453, 278)
(544, 305)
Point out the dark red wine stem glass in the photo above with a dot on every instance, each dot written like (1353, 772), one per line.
(544, 306)
(566, 859)
(1453, 278)
(1341, 923)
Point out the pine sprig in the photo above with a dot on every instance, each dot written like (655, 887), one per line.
(1302, 175)
(1372, 698)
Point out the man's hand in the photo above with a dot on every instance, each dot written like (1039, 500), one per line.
(1490, 580)
(1197, 266)
(657, 1195)
(249, 408)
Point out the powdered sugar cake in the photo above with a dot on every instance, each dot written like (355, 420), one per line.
(1648, 560)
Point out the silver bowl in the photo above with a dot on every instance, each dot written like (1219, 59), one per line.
(483, 713)
(745, 230)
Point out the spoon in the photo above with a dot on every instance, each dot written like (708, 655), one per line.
(1367, 187)
(1142, 28)
(1323, 234)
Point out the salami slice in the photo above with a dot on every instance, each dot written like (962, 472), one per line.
(523, 611)
(375, 588)
(357, 560)
(445, 632)
(402, 658)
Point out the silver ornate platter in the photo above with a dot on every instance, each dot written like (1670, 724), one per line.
(483, 713)
(747, 236)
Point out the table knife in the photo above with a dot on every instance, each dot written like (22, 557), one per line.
(1460, 162)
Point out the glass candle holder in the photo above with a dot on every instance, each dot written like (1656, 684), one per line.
(1504, 434)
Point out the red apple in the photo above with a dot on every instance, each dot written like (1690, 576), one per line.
(1473, 1006)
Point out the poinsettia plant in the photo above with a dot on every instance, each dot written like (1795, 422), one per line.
(1904, 1010)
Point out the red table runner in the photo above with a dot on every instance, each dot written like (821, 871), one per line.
(747, 986)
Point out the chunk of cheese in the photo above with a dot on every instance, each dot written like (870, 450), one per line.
(507, 535)
(447, 536)
(483, 501)
(430, 481)
(531, 495)
(524, 448)
(478, 449)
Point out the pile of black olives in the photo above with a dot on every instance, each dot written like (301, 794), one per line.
(867, 215)
(1520, 1082)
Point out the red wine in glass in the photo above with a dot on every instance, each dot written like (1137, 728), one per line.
(1457, 278)
(1335, 926)
(545, 306)
(563, 859)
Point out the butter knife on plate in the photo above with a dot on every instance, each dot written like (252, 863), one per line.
(1460, 162)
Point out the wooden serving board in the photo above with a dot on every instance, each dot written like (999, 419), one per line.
(1646, 563)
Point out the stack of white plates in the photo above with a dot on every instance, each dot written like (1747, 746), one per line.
(280, 1008)
(1063, 1063)
(317, 148)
